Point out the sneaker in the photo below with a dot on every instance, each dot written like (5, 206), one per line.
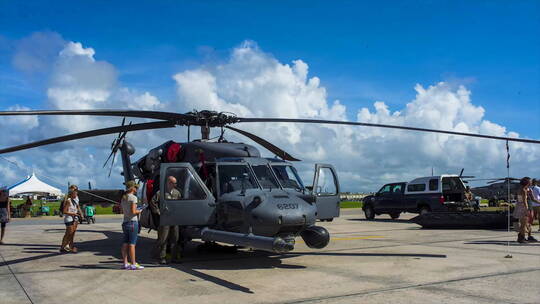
(532, 239)
(136, 266)
(65, 250)
(126, 266)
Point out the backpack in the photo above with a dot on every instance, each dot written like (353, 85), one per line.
(62, 203)
(147, 220)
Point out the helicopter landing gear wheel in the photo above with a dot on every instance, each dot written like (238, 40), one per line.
(369, 212)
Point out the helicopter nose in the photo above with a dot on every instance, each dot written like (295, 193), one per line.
(283, 215)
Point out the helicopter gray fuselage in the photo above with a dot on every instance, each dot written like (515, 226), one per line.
(244, 204)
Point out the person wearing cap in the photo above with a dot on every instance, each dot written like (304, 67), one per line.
(5, 212)
(130, 226)
(72, 212)
(166, 234)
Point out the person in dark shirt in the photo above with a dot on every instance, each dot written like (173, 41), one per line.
(5, 212)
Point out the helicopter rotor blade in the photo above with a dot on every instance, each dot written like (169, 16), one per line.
(269, 146)
(352, 123)
(171, 116)
(98, 132)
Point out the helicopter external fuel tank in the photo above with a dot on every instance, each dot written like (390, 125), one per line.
(275, 244)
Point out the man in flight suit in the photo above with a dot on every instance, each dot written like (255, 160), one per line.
(166, 234)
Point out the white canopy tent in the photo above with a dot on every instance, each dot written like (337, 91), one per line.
(32, 185)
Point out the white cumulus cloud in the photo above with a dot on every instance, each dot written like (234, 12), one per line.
(252, 83)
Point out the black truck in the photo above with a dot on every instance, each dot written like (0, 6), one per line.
(421, 195)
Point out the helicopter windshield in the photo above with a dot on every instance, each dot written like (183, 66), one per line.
(288, 177)
(235, 178)
(265, 177)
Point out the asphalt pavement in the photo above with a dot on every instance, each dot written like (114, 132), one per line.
(378, 261)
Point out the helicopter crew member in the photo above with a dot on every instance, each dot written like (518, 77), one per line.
(166, 234)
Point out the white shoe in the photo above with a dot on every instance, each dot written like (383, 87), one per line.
(136, 266)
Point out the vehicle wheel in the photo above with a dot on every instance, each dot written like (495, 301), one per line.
(395, 215)
(424, 210)
(330, 219)
(369, 212)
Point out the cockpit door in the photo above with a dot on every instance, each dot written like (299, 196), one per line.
(188, 202)
(326, 191)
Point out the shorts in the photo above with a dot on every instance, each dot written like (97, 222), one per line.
(3, 225)
(69, 223)
(131, 231)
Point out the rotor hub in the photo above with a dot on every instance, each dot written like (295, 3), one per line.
(209, 119)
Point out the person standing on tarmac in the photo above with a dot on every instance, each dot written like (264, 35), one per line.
(521, 211)
(531, 204)
(5, 212)
(72, 213)
(166, 234)
(536, 196)
(130, 226)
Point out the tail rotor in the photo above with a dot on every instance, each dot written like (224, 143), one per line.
(115, 145)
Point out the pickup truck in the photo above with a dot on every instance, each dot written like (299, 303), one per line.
(421, 195)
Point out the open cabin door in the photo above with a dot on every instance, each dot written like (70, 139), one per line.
(188, 202)
(326, 191)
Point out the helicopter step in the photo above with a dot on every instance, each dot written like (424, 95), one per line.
(275, 244)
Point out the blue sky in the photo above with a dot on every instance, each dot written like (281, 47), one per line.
(361, 51)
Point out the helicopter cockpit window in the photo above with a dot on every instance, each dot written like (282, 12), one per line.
(288, 177)
(180, 184)
(265, 176)
(235, 178)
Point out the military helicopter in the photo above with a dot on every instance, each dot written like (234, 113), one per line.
(230, 194)
(497, 189)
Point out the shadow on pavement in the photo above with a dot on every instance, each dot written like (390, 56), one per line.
(503, 243)
(360, 254)
(387, 220)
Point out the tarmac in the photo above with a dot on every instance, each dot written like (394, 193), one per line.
(376, 261)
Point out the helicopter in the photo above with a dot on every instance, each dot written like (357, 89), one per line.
(230, 194)
(497, 189)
